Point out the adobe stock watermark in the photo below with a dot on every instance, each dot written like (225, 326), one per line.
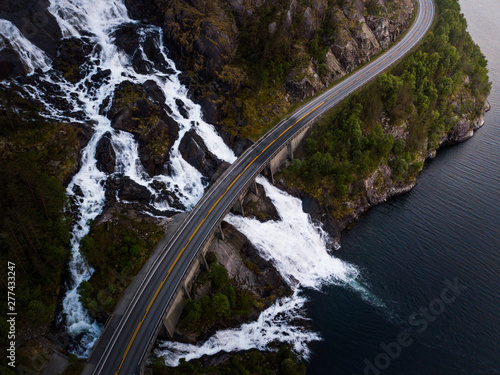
(420, 320)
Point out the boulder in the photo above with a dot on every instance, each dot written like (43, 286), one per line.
(130, 190)
(127, 38)
(154, 93)
(181, 108)
(105, 154)
(10, 64)
(194, 151)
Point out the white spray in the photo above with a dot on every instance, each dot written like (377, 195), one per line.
(97, 20)
(30, 55)
(298, 250)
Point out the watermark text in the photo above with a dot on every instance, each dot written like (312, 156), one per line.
(11, 314)
(420, 320)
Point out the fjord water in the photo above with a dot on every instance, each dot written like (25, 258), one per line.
(448, 227)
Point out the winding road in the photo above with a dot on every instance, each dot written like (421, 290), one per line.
(124, 345)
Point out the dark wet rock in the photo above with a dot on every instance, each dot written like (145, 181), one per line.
(181, 108)
(127, 38)
(259, 205)
(154, 129)
(154, 93)
(101, 75)
(10, 64)
(220, 170)
(77, 190)
(34, 21)
(72, 54)
(238, 144)
(211, 112)
(141, 66)
(194, 151)
(151, 50)
(172, 200)
(146, 10)
(105, 154)
(131, 42)
(132, 191)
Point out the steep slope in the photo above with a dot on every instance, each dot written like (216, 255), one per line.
(248, 62)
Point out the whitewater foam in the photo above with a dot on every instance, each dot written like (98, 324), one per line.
(298, 249)
(95, 22)
(30, 55)
(273, 325)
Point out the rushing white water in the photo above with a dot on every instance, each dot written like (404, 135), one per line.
(272, 325)
(298, 249)
(30, 55)
(95, 21)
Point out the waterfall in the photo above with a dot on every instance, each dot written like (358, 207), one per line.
(298, 249)
(30, 55)
(95, 21)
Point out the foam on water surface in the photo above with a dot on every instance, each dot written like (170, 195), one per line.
(299, 250)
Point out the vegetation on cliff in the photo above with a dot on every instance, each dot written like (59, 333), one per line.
(117, 249)
(381, 135)
(224, 302)
(36, 158)
(248, 62)
(219, 297)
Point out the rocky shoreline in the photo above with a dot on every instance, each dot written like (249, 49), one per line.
(374, 191)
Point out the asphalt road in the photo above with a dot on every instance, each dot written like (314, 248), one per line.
(124, 345)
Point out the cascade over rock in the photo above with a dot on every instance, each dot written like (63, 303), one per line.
(35, 22)
(110, 77)
(195, 152)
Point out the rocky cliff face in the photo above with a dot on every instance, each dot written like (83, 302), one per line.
(465, 126)
(248, 61)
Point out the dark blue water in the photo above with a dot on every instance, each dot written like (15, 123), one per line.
(447, 228)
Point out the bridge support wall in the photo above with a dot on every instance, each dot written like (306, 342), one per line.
(286, 152)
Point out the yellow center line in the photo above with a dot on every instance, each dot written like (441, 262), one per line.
(332, 95)
(357, 79)
(196, 231)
